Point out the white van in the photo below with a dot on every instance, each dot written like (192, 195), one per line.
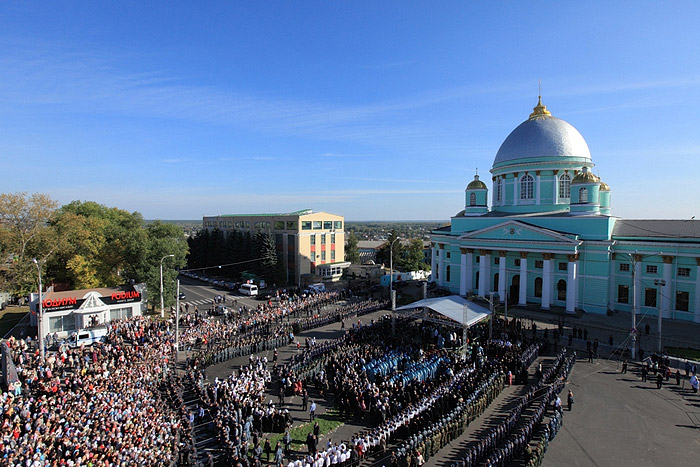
(249, 289)
(88, 336)
(318, 287)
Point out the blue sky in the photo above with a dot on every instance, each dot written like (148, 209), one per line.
(371, 110)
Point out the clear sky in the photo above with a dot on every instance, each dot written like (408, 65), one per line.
(372, 110)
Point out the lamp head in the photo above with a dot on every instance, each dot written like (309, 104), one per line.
(35, 261)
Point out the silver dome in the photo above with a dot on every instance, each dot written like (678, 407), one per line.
(542, 138)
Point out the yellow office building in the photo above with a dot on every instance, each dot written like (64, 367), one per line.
(308, 243)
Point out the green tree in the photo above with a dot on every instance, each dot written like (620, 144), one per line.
(393, 245)
(267, 252)
(352, 253)
(161, 240)
(412, 258)
(25, 233)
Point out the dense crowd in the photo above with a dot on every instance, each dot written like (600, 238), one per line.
(100, 406)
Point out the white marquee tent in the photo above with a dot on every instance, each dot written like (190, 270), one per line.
(452, 307)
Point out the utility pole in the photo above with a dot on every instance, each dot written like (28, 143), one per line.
(40, 315)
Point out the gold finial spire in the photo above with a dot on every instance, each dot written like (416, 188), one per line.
(540, 111)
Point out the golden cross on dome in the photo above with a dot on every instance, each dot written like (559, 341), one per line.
(540, 110)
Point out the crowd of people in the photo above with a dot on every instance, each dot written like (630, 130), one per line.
(101, 406)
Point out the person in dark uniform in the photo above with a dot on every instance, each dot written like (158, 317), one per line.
(570, 400)
(659, 380)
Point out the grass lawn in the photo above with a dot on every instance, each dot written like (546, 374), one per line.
(691, 354)
(10, 317)
(327, 422)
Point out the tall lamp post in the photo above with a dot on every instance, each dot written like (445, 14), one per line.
(162, 307)
(391, 287)
(634, 259)
(391, 274)
(40, 315)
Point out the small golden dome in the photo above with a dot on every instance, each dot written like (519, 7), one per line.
(584, 176)
(540, 110)
(604, 186)
(476, 184)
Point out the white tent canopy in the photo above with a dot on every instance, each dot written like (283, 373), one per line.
(452, 307)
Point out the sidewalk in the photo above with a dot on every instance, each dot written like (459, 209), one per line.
(675, 333)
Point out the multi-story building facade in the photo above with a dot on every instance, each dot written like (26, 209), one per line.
(308, 242)
(548, 236)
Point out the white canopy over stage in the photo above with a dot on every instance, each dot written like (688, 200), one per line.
(453, 307)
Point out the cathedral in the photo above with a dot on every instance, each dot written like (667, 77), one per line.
(546, 236)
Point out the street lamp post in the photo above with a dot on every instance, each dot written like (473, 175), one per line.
(392, 298)
(659, 314)
(162, 307)
(177, 321)
(391, 274)
(40, 315)
(634, 259)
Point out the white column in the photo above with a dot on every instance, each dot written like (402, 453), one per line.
(537, 188)
(502, 277)
(515, 189)
(483, 274)
(522, 293)
(578, 285)
(697, 291)
(444, 262)
(489, 281)
(611, 283)
(666, 302)
(571, 284)
(433, 263)
(555, 193)
(470, 270)
(546, 281)
(463, 272)
(637, 286)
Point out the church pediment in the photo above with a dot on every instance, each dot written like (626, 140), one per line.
(515, 231)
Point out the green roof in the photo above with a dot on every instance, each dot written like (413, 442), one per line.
(295, 213)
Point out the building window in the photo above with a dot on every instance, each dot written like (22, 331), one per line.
(684, 272)
(623, 294)
(517, 262)
(291, 225)
(318, 225)
(539, 264)
(499, 189)
(323, 255)
(583, 195)
(323, 239)
(447, 255)
(563, 266)
(447, 274)
(652, 269)
(561, 290)
(565, 186)
(478, 259)
(305, 225)
(327, 225)
(682, 300)
(332, 238)
(279, 225)
(313, 239)
(538, 287)
(332, 255)
(624, 267)
(496, 260)
(527, 184)
(337, 225)
(649, 297)
(472, 199)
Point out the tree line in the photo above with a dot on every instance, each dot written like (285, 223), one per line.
(228, 255)
(83, 245)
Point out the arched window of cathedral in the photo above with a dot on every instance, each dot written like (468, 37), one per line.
(499, 189)
(538, 287)
(472, 199)
(561, 290)
(527, 190)
(565, 186)
(583, 195)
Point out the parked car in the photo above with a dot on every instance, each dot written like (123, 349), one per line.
(182, 296)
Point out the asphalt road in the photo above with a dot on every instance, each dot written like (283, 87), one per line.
(202, 294)
(618, 420)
